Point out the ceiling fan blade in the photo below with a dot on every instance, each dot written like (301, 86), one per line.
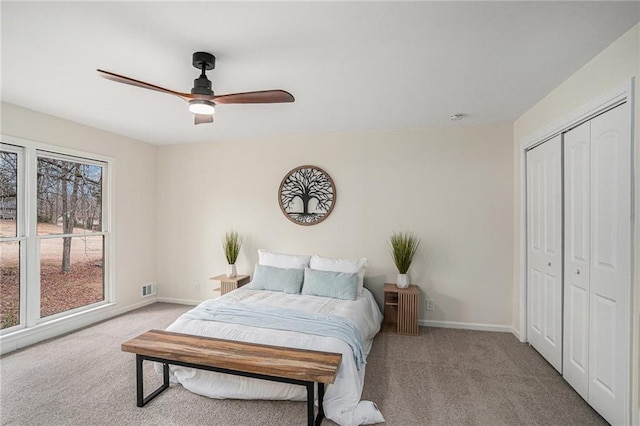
(260, 97)
(203, 118)
(133, 82)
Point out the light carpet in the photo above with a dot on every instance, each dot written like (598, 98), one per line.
(441, 377)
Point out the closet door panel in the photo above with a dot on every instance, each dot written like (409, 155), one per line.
(553, 253)
(603, 377)
(576, 257)
(610, 264)
(544, 250)
(535, 233)
(535, 296)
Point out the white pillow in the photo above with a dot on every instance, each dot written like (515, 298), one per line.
(282, 260)
(333, 264)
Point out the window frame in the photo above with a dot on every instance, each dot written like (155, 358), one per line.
(30, 273)
(82, 160)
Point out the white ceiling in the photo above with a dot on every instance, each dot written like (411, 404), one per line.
(352, 66)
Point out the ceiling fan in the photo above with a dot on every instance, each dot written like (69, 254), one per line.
(202, 100)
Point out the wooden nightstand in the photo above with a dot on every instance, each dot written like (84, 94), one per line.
(228, 284)
(400, 309)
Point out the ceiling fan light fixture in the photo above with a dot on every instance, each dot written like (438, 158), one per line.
(201, 106)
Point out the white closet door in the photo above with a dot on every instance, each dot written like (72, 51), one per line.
(609, 333)
(544, 250)
(575, 365)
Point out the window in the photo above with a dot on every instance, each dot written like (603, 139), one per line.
(69, 216)
(11, 239)
(54, 255)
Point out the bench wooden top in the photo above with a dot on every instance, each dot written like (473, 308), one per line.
(279, 361)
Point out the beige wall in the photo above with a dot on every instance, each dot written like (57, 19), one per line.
(451, 186)
(135, 190)
(612, 67)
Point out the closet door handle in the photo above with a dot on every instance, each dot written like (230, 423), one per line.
(548, 263)
(577, 271)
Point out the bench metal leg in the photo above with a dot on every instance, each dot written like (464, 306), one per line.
(320, 402)
(310, 398)
(312, 419)
(140, 399)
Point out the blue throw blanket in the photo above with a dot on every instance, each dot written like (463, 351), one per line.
(282, 319)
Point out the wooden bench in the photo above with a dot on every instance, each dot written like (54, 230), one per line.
(280, 364)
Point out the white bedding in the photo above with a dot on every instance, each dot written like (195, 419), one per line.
(342, 399)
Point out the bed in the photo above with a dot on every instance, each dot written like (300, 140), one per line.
(329, 315)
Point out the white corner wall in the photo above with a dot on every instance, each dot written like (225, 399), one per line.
(451, 186)
(134, 219)
(614, 66)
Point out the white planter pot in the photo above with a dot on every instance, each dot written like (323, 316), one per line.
(402, 281)
(231, 271)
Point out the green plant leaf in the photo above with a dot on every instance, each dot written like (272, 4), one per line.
(404, 246)
(231, 244)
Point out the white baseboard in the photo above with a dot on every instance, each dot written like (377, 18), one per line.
(179, 301)
(57, 327)
(48, 330)
(467, 326)
(516, 333)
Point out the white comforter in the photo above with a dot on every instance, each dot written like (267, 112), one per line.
(342, 399)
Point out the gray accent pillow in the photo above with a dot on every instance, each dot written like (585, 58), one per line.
(277, 279)
(339, 285)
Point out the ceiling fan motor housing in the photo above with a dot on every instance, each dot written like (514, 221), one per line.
(202, 86)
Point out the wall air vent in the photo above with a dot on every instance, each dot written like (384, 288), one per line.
(148, 289)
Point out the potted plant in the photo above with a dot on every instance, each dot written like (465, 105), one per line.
(231, 245)
(403, 247)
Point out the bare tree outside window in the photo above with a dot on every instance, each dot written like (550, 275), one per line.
(9, 241)
(8, 193)
(70, 199)
(69, 204)
(307, 195)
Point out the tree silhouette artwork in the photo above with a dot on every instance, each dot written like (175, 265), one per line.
(307, 195)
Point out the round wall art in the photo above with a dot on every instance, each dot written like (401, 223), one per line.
(307, 195)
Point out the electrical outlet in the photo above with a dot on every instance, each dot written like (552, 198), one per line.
(430, 304)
